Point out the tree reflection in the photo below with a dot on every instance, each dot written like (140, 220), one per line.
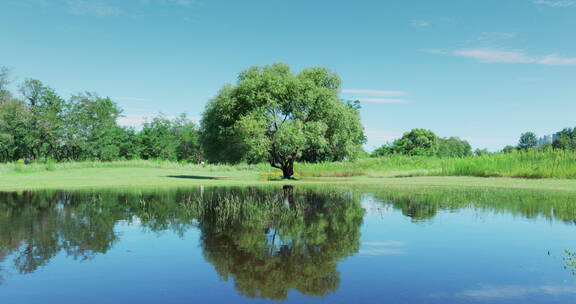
(35, 227)
(274, 243)
(267, 240)
(570, 261)
(423, 204)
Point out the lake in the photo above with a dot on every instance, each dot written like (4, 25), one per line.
(291, 244)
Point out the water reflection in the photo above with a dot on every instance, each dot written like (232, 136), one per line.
(274, 243)
(37, 226)
(267, 241)
(423, 204)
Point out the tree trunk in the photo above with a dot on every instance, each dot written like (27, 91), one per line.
(288, 169)
(278, 161)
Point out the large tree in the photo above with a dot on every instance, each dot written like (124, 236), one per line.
(274, 115)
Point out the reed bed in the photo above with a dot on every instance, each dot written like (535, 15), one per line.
(529, 164)
(525, 164)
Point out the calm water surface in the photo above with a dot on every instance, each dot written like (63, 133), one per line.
(298, 245)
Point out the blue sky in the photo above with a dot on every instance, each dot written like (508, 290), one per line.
(483, 70)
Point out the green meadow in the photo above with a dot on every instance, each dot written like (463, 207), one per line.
(527, 170)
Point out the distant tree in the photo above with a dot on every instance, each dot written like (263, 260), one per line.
(527, 141)
(417, 142)
(364, 154)
(274, 115)
(127, 142)
(454, 147)
(15, 141)
(158, 139)
(188, 138)
(176, 139)
(565, 139)
(545, 147)
(481, 152)
(92, 131)
(5, 94)
(47, 119)
(385, 149)
(509, 149)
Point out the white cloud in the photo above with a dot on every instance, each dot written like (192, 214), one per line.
(101, 8)
(138, 119)
(514, 291)
(530, 79)
(374, 250)
(508, 56)
(380, 251)
(494, 55)
(122, 98)
(375, 92)
(381, 100)
(493, 36)
(133, 120)
(420, 23)
(183, 3)
(562, 3)
(381, 135)
(384, 243)
(92, 8)
(557, 60)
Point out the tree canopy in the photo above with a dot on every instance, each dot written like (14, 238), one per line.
(415, 142)
(41, 125)
(527, 141)
(274, 115)
(565, 139)
(418, 142)
(453, 147)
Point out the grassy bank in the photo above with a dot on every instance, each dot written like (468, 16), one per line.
(151, 178)
(530, 164)
(20, 167)
(532, 170)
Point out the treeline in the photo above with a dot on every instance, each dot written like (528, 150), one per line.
(422, 142)
(40, 125)
(562, 140)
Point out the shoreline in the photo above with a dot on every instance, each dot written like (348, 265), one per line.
(144, 178)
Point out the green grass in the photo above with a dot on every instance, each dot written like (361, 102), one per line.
(388, 166)
(529, 164)
(151, 178)
(19, 167)
(531, 170)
